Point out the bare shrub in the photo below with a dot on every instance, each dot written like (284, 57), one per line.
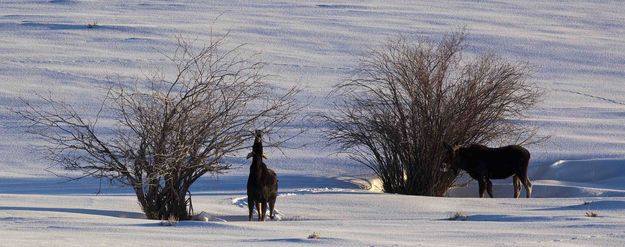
(169, 130)
(406, 99)
(458, 216)
(591, 214)
(92, 24)
(314, 235)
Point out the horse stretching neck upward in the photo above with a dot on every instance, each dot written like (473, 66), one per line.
(262, 184)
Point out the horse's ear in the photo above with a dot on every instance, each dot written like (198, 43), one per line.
(250, 155)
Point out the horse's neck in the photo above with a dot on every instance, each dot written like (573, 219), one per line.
(257, 159)
(257, 167)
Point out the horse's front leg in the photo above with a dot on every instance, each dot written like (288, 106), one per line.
(258, 210)
(482, 185)
(489, 187)
(517, 186)
(263, 207)
(250, 207)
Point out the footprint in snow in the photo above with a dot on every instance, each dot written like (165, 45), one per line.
(242, 203)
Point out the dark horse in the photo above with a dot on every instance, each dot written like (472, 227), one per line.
(484, 163)
(262, 184)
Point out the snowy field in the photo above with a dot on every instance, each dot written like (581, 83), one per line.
(576, 48)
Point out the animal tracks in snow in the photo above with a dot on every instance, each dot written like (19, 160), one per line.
(242, 201)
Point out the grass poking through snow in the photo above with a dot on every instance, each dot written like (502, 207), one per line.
(171, 221)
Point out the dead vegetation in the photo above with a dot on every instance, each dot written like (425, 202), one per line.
(169, 129)
(407, 98)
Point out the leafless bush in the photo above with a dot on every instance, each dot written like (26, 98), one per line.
(314, 235)
(458, 216)
(92, 24)
(591, 214)
(170, 130)
(406, 99)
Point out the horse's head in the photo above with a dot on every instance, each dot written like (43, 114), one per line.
(452, 158)
(258, 137)
(257, 148)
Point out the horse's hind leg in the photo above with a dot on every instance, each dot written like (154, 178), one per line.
(528, 186)
(517, 186)
(272, 204)
(525, 180)
(489, 188)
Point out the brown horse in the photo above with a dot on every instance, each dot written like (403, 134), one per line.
(262, 184)
(483, 164)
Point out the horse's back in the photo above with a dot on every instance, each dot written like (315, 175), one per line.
(502, 162)
(511, 152)
(516, 152)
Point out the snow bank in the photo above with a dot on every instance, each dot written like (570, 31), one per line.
(564, 178)
(577, 49)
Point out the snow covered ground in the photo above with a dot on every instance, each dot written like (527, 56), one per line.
(577, 49)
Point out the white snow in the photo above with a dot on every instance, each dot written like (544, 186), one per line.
(576, 48)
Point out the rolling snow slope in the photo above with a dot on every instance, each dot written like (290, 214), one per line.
(576, 47)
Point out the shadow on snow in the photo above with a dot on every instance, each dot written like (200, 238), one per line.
(110, 213)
